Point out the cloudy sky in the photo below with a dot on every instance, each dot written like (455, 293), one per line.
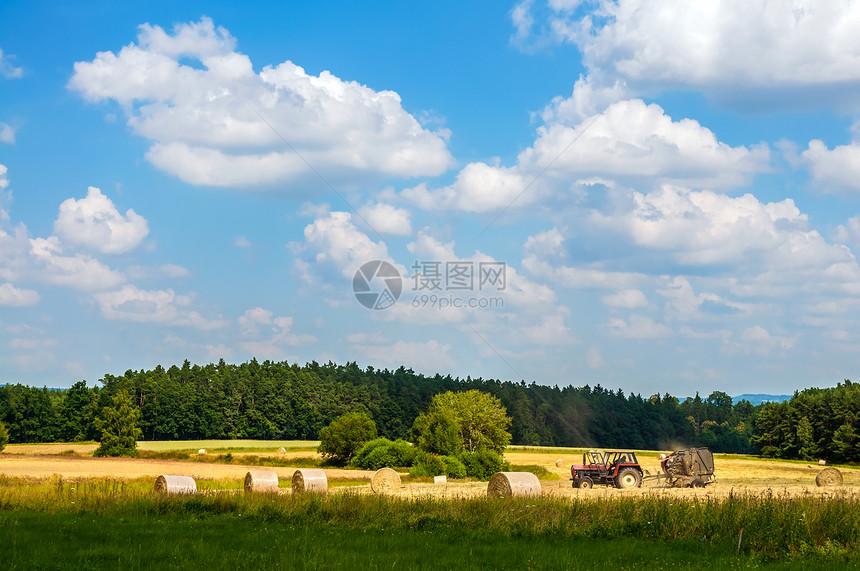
(655, 196)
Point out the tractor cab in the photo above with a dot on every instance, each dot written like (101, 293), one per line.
(618, 468)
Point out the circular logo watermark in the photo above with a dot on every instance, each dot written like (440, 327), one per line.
(377, 285)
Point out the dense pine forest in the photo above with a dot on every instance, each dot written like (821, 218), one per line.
(272, 400)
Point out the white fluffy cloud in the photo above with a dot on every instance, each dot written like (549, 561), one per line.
(673, 43)
(632, 140)
(639, 327)
(627, 299)
(387, 219)
(79, 271)
(335, 240)
(709, 228)
(95, 223)
(268, 337)
(152, 306)
(220, 124)
(833, 170)
(12, 296)
(629, 141)
(7, 68)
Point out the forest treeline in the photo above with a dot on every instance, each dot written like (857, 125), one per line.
(278, 400)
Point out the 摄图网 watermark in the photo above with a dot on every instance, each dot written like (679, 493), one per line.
(457, 284)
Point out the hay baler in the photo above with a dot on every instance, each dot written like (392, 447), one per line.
(690, 468)
(619, 469)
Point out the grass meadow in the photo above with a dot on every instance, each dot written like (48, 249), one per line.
(104, 524)
(61, 508)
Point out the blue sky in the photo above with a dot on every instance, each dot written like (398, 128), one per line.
(671, 189)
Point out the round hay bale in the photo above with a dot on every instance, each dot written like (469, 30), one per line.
(385, 480)
(282, 450)
(559, 463)
(822, 462)
(310, 480)
(261, 481)
(175, 485)
(201, 452)
(829, 478)
(440, 479)
(513, 484)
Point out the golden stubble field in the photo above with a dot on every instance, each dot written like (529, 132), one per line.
(735, 474)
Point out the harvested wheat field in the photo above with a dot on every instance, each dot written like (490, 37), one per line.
(735, 474)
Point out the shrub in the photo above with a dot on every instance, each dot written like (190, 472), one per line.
(382, 452)
(340, 440)
(483, 463)
(453, 467)
(427, 464)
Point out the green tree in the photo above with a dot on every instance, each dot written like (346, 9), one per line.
(481, 418)
(118, 427)
(437, 432)
(341, 439)
(4, 437)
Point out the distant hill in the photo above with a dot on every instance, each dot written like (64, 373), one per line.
(759, 399)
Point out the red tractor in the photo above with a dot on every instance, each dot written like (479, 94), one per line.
(619, 469)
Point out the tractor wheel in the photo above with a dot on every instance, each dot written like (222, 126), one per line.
(585, 483)
(697, 483)
(628, 478)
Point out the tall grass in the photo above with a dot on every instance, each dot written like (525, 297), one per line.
(774, 525)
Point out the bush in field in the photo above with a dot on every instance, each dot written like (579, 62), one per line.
(483, 463)
(4, 437)
(428, 465)
(454, 468)
(118, 427)
(340, 440)
(382, 452)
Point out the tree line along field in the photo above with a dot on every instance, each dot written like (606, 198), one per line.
(286, 401)
(99, 521)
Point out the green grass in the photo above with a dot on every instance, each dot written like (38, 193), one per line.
(776, 528)
(235, 541)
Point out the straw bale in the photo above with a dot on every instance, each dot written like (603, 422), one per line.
(282, 450)
(440, 479)
(175, 485)
(385, 480)
(507, 484)
(559, 463)
(829, 477)
(822, 462)
(310, 480)
(261, 481)
(201, 452)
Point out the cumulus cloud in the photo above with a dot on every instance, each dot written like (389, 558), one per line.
(95, 223)
(220, 123)
(267, 336)
(627, 299)
(630, 141)
(833, 170)
(387, 219)
(722, 47)
(79, 271)
(152, 306)
(709, 228)
(335, 240)
(12, 296)
(639, 327)
(7, 68)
